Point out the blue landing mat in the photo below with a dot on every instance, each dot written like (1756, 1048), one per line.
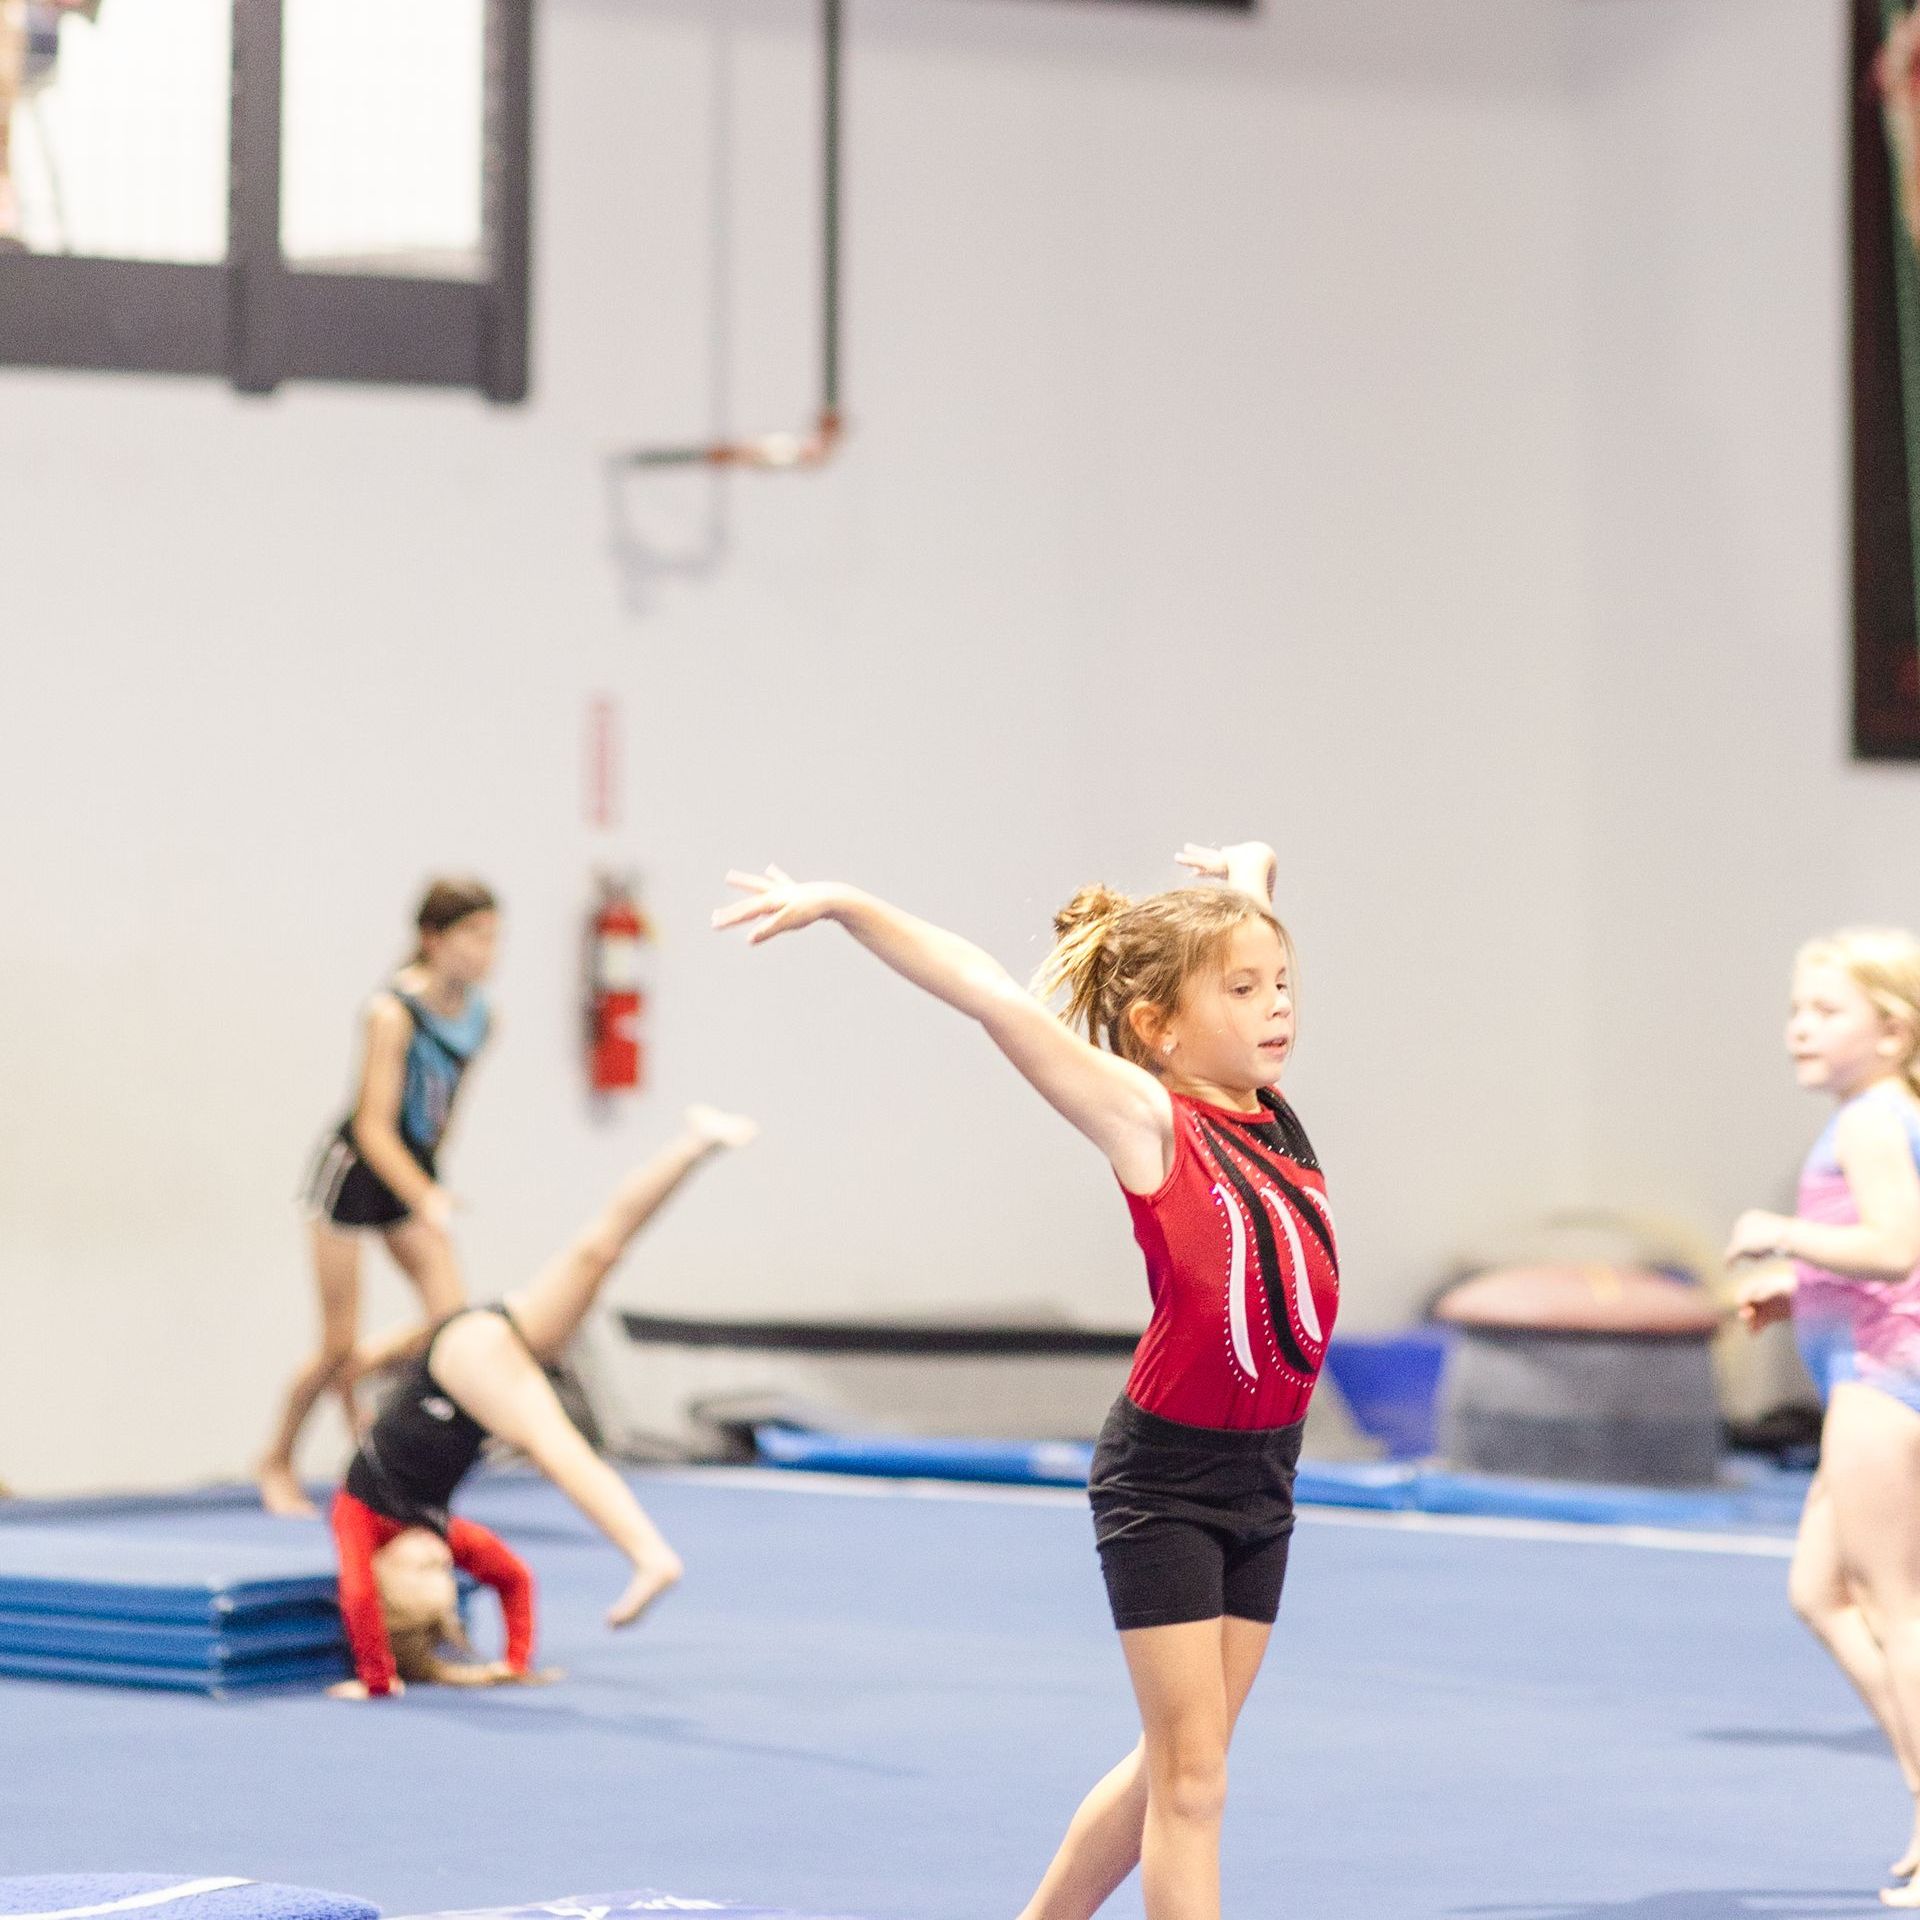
(172, 1896)
(609, 1906)
(109, 1570)
(89, 1637)
(221, 1680)
(1045, 1463)
(1753, 1499)
(127, 1604)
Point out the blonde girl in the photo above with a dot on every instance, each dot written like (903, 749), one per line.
(1853, 1291)
(1183, 1003)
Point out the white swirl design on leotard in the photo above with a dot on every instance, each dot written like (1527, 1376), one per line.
(1301, 1290)
(1237, 1284)
(1320, 1200)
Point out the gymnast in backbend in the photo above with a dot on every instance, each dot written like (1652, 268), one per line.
(483, 1376)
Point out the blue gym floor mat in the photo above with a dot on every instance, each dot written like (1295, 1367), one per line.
(220, 1679)
(149, 1642)
(128, 1602)
(880, 1700)
(1047, 1463)
(1751, 1499)
(107, 1570)
(171, 1896)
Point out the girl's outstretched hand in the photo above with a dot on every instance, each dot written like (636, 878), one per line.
(1765, 1298)
(778, 903)
(717, 1129)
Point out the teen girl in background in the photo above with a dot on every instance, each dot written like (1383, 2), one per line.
(378, 1170)
(1853, 1290)
(1185, 999)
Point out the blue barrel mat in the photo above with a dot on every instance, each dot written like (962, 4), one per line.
(170, 1896)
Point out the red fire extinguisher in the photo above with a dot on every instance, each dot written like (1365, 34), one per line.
(616, 1002)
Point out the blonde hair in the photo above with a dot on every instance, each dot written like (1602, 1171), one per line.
(1112, 954)
(1884, 963)
(416, 1636)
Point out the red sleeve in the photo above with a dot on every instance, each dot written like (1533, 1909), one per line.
(359, 1533)
(488, 1558)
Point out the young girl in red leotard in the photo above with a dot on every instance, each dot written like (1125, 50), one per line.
(1186, 999)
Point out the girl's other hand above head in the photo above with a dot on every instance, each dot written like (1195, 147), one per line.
(1210, 863)
(779, 903)
(1250, 865)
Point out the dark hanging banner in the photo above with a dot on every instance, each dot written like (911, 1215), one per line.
(1886, 420)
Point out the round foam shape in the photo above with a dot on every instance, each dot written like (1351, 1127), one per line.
(1580, 1299)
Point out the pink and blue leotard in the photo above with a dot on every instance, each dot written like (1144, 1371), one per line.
(1855, 1330)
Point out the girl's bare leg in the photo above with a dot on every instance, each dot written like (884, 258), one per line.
(1180, 1685)
(336, 1267)
(483, 1366)
(550, 1309)
(1102, 1845)
(1870, 1465)
(1824, 1597)
(426, 1256)
(494, 1371)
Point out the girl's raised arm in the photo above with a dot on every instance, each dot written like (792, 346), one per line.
(1872, 1148)
(1122, 1109)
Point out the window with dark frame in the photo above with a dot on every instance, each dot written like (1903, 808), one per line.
(269, 266)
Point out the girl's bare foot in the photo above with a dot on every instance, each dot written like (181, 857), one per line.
(1906, 1896)
(281, 1493)
(647, 1585)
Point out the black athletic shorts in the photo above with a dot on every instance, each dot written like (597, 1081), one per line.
(344, 1189)
(1192, 1522)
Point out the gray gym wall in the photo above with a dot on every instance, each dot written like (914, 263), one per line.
(1411, 430)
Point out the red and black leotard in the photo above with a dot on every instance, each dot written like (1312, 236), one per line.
(404, 1475)
(1243, 1268)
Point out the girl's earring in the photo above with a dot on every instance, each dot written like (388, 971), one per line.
(1168, 1048)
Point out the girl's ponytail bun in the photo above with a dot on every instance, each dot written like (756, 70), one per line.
(1081, 964)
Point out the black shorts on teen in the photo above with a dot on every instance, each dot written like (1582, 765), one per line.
(1192, 1523)
(343, 1189)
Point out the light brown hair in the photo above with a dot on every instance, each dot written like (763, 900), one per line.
(1112, 954)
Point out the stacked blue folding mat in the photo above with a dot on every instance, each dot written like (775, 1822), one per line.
(135, 1608)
